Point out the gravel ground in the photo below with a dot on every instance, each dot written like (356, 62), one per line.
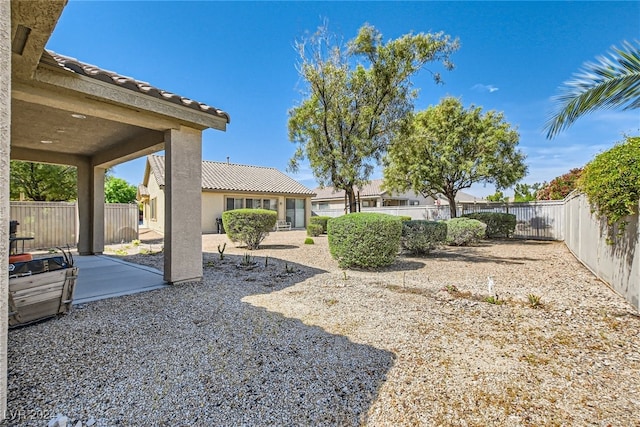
(293, 340)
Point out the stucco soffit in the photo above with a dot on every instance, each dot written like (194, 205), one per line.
(76, 84)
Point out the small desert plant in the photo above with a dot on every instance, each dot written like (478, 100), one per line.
(452, 289)
(534, 300)
(494, 300)
(498, 224)
(314, 230)
(246, 260)
(122, 252)
(288, 269)
(421, 237)
(321, 220)
(135, 242)
(362, 239)
(221, 250)
(464, 231)
(249, 226)
(308, 241)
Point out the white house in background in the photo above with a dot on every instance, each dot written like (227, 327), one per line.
(373, 196)
(228, 186)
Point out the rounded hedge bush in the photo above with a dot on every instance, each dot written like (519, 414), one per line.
(464, 231)
(249, 226)
(314, 230)
(420, 237)
(498, 224)
(308, 241)
(322, 220)
(364, 239)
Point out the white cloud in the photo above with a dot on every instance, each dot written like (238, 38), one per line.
(484, 88)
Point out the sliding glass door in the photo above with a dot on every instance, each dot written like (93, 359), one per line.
(296, 213)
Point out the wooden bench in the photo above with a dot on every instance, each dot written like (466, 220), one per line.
(281, 224)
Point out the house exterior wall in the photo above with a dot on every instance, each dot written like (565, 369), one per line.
(406, 199)
(213, 204)
(212, 208)
(5, 138)
(155, 193)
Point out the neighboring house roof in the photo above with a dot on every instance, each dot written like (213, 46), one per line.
(374, 189)
(143, 192)
(73, 65)
(223, 176)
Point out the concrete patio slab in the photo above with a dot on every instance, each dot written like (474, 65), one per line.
(102, 277)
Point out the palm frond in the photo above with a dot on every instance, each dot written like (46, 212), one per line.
(609, 83)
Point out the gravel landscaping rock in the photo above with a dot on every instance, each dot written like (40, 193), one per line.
(301, 342)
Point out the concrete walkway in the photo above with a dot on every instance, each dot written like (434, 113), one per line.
(102, 277)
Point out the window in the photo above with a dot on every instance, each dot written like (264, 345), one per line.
(153, 206)
(235, 203)
(369, 203)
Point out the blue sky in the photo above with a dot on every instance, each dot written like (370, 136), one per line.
(239, 57)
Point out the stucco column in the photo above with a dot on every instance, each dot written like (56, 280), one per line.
(183, 205)
(5, 146)
(97, 219)
(90, 208)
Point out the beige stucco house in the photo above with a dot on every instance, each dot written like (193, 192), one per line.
(372, 195)
(228, 186)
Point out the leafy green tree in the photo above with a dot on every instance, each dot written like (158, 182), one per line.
(117, 190)
(42, 182)
(498, 196)
(560, 187)
(356, 97)
(447, 148)
(609, 83)
(526, 192)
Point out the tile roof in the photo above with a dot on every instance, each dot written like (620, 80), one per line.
(143, 191)
(372, 189)
(75, 66)
(235, 177)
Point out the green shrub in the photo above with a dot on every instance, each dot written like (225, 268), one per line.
(362, 239)
(498, 224)
(249, 226)
(314, 230)
(322, 220)
(611, 182)
(421, 237)
(308, 241)
(464, 231)
(404, 218)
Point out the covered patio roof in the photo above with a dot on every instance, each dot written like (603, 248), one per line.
(65, 111)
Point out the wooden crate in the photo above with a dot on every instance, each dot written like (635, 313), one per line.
(39, 296)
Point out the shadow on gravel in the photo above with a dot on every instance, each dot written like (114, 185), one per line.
(194, 354)
(276, 247)
(472, 257)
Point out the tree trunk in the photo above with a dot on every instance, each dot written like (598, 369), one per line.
(452, 206)
(351, 197)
